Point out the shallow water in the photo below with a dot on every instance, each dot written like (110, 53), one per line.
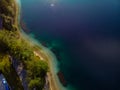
(85, 35)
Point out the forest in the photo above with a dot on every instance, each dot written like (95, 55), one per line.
(14, 46)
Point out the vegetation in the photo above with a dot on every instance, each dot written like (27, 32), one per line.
(7, 14)
(7, 7)
(15, 46)
(9, 73)
(21, 50)
(39, 69)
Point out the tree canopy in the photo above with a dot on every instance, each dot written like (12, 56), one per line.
(16, 46)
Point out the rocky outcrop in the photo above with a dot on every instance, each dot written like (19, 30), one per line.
(19, 67)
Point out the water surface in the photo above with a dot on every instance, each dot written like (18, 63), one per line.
(86, 35)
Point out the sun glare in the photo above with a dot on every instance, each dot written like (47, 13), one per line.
(52, 4)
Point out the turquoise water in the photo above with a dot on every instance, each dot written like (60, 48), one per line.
(85, 36)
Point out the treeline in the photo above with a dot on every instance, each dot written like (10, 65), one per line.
(7, 7)
(9, 72)
(7, 14)
(12, 44)
(15, 46)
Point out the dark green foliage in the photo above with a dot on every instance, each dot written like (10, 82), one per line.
(36, 70)
(21, 50)
(9, 73)
(8, 13)
(7, 8)
(36, 83)
(14, 45)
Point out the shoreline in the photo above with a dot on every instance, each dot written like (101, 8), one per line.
(51, 60)
(52, 77)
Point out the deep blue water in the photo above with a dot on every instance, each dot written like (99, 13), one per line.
(86, 35)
